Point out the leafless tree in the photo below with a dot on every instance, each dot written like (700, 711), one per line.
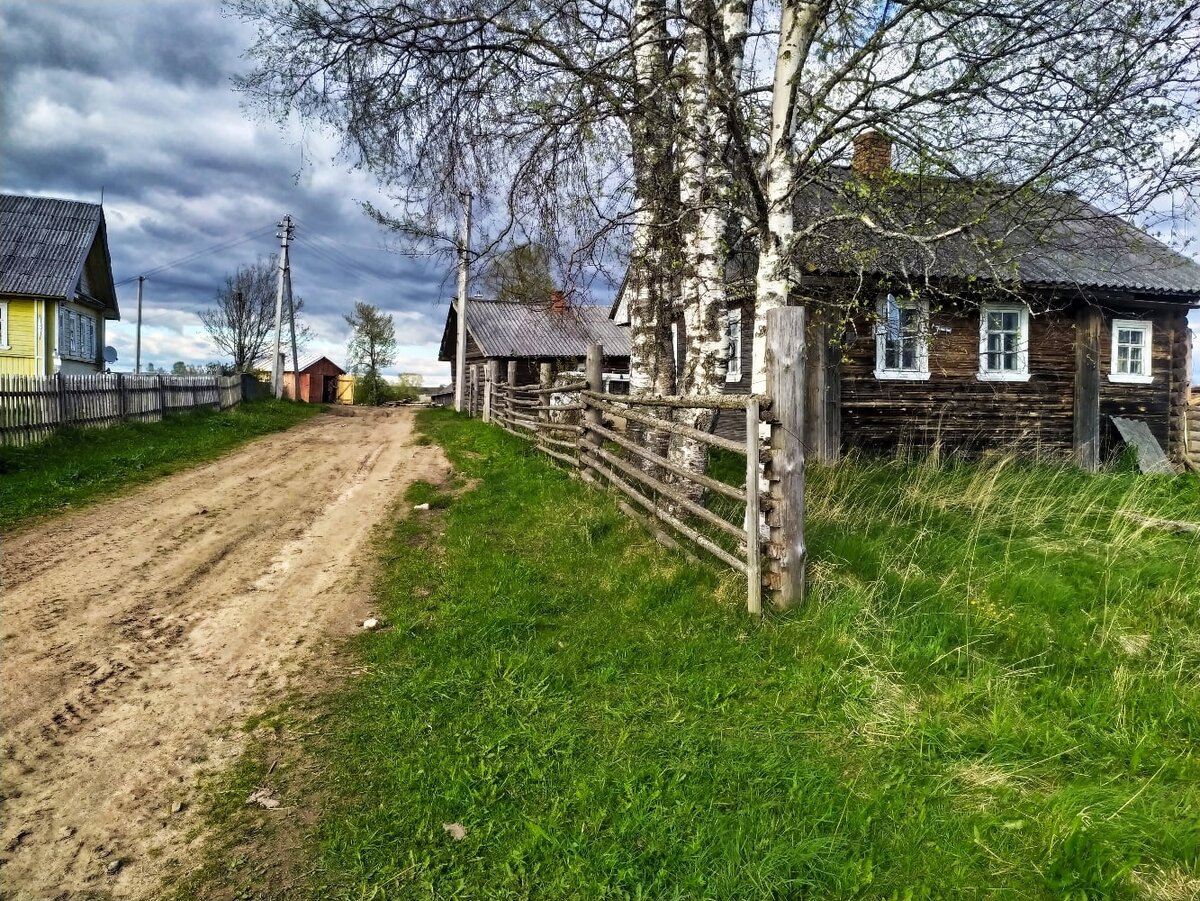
(241, 322)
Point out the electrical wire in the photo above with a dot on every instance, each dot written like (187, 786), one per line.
(215, 248)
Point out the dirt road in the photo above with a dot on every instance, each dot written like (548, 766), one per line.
(139, 633)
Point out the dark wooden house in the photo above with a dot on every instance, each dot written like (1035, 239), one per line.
(1033, 347)
(317, 382)
(530, 335)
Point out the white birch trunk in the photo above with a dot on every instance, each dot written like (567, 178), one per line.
(651, 362)
(706, 195)
(798, 21)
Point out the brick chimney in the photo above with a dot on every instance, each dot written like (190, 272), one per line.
(872, 154)
(558, 301)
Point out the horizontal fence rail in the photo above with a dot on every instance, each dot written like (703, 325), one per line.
(34, 407)
(621, 443)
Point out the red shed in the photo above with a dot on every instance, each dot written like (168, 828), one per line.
(318, 381)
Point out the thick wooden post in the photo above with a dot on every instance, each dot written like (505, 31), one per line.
(509, 407)
(785, 365)
(594, 372)
(545, 380)
(1086, 443)
(753, 544)
(489, 386)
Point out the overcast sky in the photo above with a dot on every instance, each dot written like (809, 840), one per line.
(135, 98)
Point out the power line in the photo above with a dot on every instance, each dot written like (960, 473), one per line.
(215, 248)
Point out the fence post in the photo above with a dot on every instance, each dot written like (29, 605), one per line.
(122, 406)
(785, 364)
(753, 541)
(489, 385)
(63, 411)
(162, 398)
(594, 372)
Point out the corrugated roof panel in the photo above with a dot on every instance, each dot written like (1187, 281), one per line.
(44, 243)
(515, 330)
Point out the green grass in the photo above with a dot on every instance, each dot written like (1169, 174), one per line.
(76, 466)
(992, 692)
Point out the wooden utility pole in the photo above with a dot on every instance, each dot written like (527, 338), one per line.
(287, 274)
(460, 353)
(284, 235)
(137, 354)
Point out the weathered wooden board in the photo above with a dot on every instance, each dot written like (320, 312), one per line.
(1150, 456)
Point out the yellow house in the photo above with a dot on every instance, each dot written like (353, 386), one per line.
(56, 286)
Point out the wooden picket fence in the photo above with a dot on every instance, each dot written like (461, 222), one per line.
(603, 437)
(33, 407)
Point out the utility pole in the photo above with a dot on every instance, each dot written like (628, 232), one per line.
(284, 235)
(137, 355)
(460, 355)
(292, 323)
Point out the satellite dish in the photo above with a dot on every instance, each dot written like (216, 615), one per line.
(110, 354)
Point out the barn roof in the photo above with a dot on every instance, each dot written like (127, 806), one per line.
(45, 243)
(309, 362)
(523, 331)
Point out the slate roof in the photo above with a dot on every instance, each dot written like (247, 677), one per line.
(523, 331)
(1050, 240)
(44, 243)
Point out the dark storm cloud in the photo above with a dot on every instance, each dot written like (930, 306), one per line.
(135, 99)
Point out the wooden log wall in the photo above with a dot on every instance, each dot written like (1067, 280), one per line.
(34, 407)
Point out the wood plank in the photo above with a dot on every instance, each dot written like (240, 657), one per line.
(785, 360)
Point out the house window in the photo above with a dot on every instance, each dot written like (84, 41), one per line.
(902, 339)
(733, 345)
(76, 335)
(3, 325)
(1131, 351)
(1004, 343)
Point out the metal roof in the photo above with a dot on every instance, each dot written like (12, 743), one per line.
(522, 331)
(308, 362)
(44, 244)
(1049, 239)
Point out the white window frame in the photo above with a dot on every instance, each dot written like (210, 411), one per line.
(1021, 373)
(733, 344)
(4, 340)
(882, 370)
(1146, 327)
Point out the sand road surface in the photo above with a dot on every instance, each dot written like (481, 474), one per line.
(137, 635)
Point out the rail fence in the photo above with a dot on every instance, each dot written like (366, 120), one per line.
(33, 407)
(620, 442)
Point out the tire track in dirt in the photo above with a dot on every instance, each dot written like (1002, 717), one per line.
(138, 631)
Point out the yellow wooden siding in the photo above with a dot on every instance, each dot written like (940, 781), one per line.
(18, 358)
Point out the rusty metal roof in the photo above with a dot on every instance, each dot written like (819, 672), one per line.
(524, 331)
(44, 243)
(309, 362)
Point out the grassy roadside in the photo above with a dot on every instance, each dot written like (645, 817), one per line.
(991, 693)
(77, 466)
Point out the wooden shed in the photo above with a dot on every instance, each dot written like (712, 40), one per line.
(530, 334)
(317, 382)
